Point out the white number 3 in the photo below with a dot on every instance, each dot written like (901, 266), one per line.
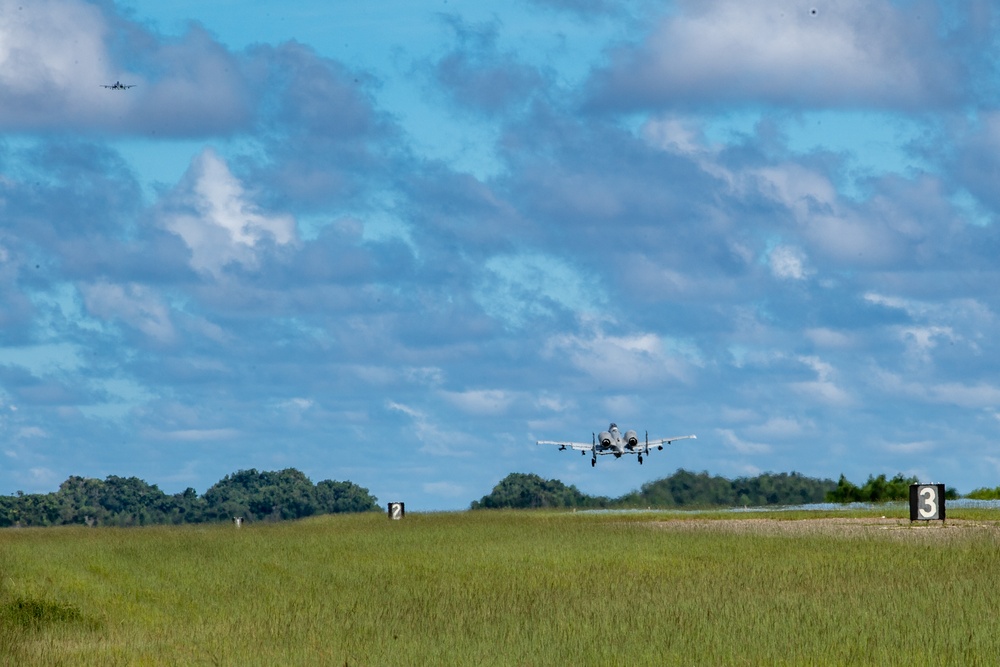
(928, 508)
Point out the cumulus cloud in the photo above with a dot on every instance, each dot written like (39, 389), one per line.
(780, 427)
(741, 446)
(787, 262)
(981, 395)
(800, 203)
(478, 76)
(916, 447)
(851, 53)
(56, 54)
(826, 337)
(695, 265)
(824, 389)
(52, 55)
(832, 226)
(135, 305)
(934, 327)
(480, 401)
(518, 288)
(616, 362)
(212, 212)
(435, 440)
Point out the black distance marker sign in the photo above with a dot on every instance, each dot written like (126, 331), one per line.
(927, 502)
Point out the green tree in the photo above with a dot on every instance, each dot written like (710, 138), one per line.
(285, 494)
(129, 501)
(520, 490)
(875, 490)
(846, 492)
(335, 497)
(984, 493)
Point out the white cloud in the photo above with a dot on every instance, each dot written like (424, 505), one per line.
(135, 305)
(214, 216)
(828, 225)
(956, 321)
(52, 58)
(980, 395)
(518, 287)
(921, 340)
(823, 389)
(823, 392)
(56, 54)
(733, 441)
(481, 401)
(779, 427)
(435, 440)
(829, 338)
(849, 52)
(965, 310)
(787, 262)
(554, 403)
(620, 361)
(297, 404)
(915, 447)
(676, 134)
(431, 376)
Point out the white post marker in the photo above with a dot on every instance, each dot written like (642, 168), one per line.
(927, 502)
(396, 511)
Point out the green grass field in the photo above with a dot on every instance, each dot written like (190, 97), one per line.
(504, 588)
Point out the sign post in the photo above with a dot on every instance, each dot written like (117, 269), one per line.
(396, 511)
(927, 502)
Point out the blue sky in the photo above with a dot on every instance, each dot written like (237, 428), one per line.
(399, 242)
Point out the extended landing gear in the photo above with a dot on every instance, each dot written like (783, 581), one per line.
(640, 459)
(593, 462)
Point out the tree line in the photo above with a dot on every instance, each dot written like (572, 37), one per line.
(129, 501)
(984, 493)
(878, 489)
(685, 489)
(289, 494)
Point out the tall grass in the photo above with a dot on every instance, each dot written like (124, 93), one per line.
(492, 588)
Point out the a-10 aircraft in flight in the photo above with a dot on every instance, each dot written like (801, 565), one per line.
(614, 442)
(118, 85)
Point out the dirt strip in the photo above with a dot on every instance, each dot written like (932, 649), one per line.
(847, 527)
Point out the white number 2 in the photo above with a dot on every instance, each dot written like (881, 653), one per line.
(928, 508)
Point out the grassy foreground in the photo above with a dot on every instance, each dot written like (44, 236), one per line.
(494, 588)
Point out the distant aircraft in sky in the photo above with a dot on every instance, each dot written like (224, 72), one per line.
(614, 442)
(118, 85)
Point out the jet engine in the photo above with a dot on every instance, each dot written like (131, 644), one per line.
(604, 439)
(631, 439)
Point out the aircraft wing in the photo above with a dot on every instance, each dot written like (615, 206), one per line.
(579, 446)
(667, 441)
